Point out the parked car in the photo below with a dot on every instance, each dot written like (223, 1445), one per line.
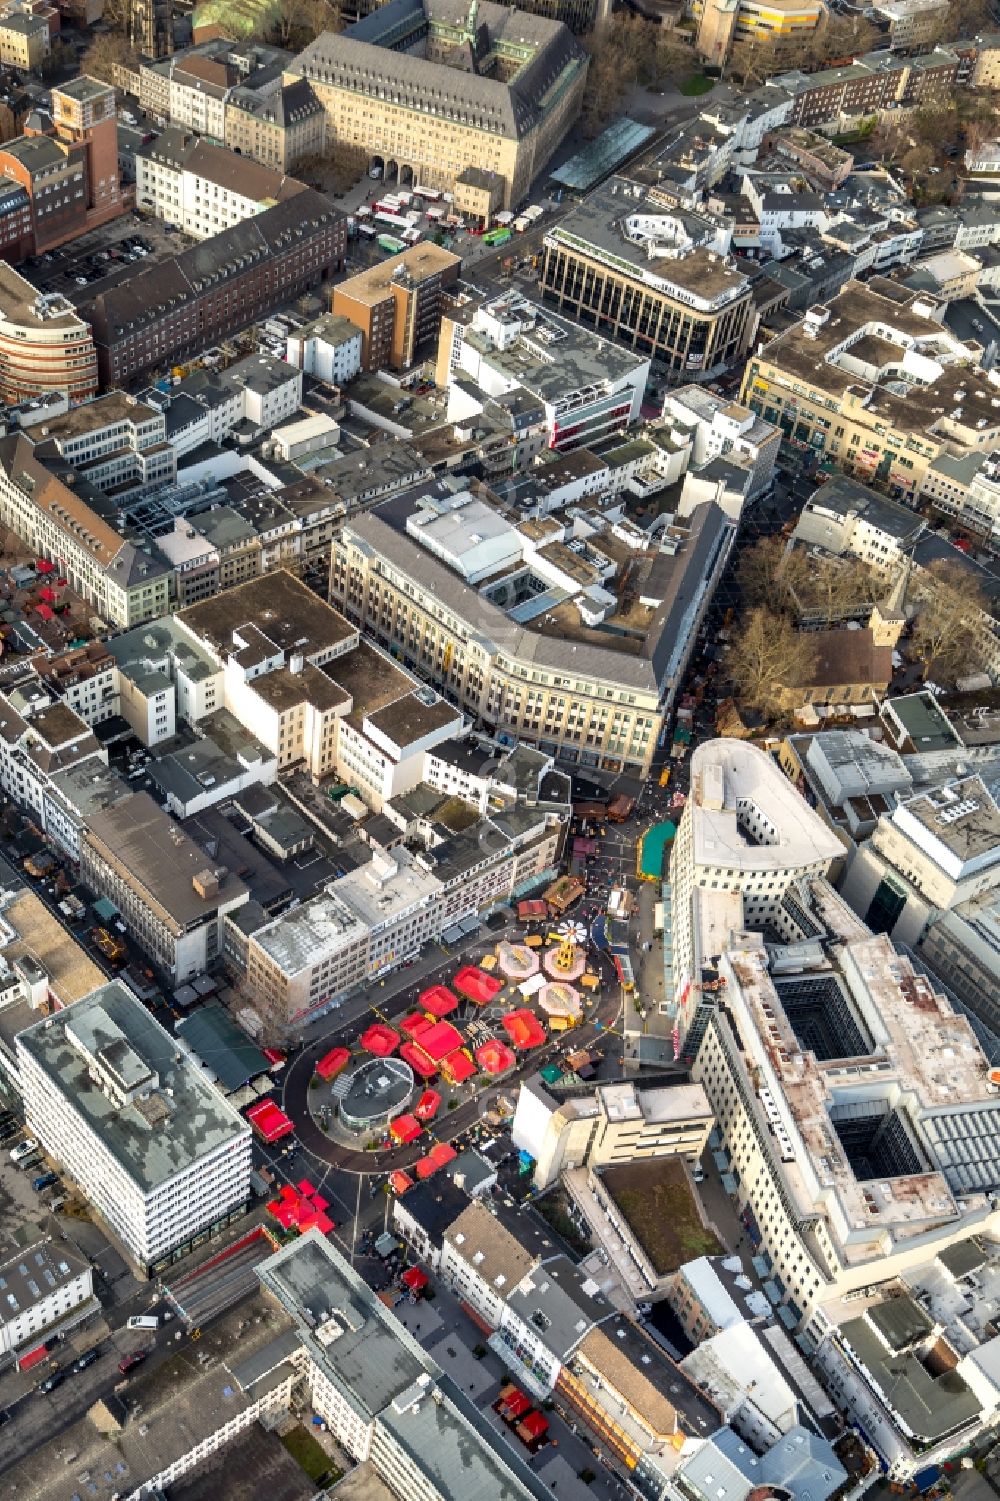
(86, 1359)
(56, 1378)
(24, 1149)
(130, 1361)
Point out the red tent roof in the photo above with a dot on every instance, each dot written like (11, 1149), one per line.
(437, 1157)
(42, 565)
(414, 1024)
(274, 1055)
(495, 1057)
(405, 1128)
(270, 1121)
(438, 1000)
(476, 984)
(418, 1060)
(414, 1279)
(458, 1066)
(49, 595)
(516, 1405)
(44, 611)
(399, 1181)
(534, 1425)
(301, 1208)
(31, 1357)
(380, 1040)
(428, 1105)
(524, 1029)
(440, 1039)
(333, 1062)
(532, 908)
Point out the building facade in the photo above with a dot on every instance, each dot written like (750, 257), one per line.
(396, 305)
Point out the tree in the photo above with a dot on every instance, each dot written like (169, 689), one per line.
(837, 588)
(626, 51)
(299, 21)
(768, 655)
(918, 160)
(960, 20)
(842, 36)
(108, 50)
(769, 574)
(947, 630)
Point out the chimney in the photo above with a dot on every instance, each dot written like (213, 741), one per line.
(206, 884)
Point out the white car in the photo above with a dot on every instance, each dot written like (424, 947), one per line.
(24, 1149)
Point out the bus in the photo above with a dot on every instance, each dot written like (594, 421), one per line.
(390, 244)
(387, 220)
(429, 195)
(496, 236)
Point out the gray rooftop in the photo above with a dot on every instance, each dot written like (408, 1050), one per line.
(184, 1118)
(930, 1406)
(561, 1302)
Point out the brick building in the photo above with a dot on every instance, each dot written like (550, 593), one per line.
(206, 293)
(397, 304)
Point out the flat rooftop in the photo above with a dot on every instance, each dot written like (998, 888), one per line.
(182, 1118)
(279, 608)
(662, 1211)
(412, 266)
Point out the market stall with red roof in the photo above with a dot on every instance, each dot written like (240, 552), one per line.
(524, 1029)
(42, 565)
(428, 1105)
(458, 1066)
(380, 1040)
(418, 1060)
(494, 1056)
(512, 1404)
(438, 1000)
(269, 1121)
(439, 1156)
(414, 1280)
(301, 1208)
(476, 985)
(333, 1063)
(399, 1181)
(414, 1024)
(532, 909)
(404, 1129)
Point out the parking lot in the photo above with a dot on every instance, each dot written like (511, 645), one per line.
(104, 257)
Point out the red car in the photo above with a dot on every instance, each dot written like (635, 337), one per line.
(131, 1361)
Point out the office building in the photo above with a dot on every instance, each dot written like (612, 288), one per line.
(149, 1143)
(328, 348)
(842, 1188)
(613, 1123)
(802, 1465)
(874, 383)
(203, 188)
(278, 127)
(114, 443)
(745, 844)
(170, 897)
(784, 25)
(425, 92)
(204, 294)
(526, 650)
(566, 387)
(650, 276)
(45, 347)
(396, 304)
(910, 24)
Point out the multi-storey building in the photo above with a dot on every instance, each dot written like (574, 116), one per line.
(651, 276)
(169, 896)
(876, 385)
(426, 93)
(124, 583)
(872, 85)
(583, 388)
(783, 25)
(746, 842)
(210, 291)
(911, 24)
(203, 188)
(47, 1289)
(396, 304)
(44, 346)
(496, 613)
(328, 348)
(115, 443)
(24, 40)
(152, 28)
(614, 1123)
(151, 1145)
(277, 128)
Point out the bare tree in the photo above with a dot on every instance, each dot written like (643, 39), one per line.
(769, 655)
(948, 627)
(770, 574)
(299, 21)
(107, 51)
(961, 20)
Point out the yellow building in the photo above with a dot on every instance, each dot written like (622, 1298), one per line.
(425, 95)
(724, 23)
(872, 382)
(24, 41)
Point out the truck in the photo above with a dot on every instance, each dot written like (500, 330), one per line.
(143, 1321)
(111, 947)
(619, 902)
